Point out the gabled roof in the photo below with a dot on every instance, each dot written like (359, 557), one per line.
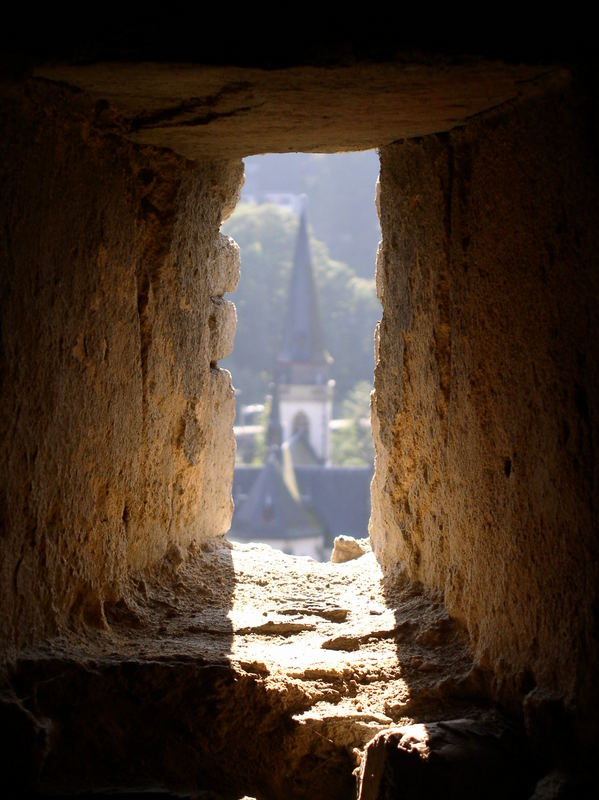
(273, 508)
(339, 496)
(302, 332)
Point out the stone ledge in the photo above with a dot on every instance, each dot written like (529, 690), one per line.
(213, 674)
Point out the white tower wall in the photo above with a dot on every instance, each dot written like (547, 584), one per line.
(316, 402)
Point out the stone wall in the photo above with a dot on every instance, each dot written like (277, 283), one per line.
(116, 422)
(485, 412)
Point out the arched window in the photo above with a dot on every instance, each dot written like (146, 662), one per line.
(301, 424)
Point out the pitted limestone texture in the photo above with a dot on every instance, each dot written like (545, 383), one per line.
(224, 266)
(479, 364)
(222, 323)
(116, 431)
(215, 658)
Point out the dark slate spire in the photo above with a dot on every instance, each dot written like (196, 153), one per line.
(302, 334)
(274, 432)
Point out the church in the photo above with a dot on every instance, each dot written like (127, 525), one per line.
(297, 501)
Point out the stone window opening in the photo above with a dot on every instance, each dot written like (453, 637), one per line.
(324, 469)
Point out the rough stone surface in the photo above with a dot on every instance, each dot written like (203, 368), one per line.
(116, 431)
(346, 548)
(486, 386)
(200, 110)
(459, 759)
(222, 323)
(224, 266)
(212, 673)
(561, 786)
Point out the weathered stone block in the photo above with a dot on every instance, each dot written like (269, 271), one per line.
(461, 759)
(222, 322)
(486, 386)
(224, 266)
(117, 432)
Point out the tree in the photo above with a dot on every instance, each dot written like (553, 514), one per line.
(352, 445)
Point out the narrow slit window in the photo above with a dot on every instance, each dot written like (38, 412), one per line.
(302, 363)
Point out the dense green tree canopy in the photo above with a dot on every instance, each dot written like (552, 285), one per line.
(352, 445)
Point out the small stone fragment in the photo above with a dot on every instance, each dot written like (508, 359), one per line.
(174, 556)
(222, 323)
(275, 628)
(347, 643)
(346, 548)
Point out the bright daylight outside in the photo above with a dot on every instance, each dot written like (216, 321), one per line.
(303, 360)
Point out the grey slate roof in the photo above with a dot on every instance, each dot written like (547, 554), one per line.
(339, 497)
(271, 511)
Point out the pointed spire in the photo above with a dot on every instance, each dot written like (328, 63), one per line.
(302, 334)
(274, 432)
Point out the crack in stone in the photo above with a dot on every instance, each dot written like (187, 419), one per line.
(170, 114)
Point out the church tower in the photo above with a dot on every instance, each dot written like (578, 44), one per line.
(303, 367)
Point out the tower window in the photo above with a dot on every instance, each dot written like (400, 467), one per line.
(301, 424)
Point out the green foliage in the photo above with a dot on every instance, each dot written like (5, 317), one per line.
(348, 306)
(265, 236)
(340, 188)
(352, 445)
(261, 446)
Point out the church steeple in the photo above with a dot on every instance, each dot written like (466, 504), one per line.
(302, 332)
(303, 365)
